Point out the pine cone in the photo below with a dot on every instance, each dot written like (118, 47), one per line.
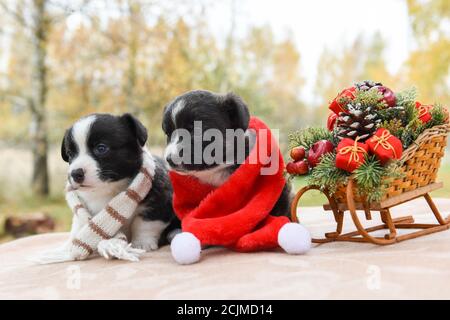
(367, 85)
(357, 122)
(388, 95)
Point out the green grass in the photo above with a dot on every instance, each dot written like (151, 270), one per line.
(443, 176)
(315, 198)
(310, 198)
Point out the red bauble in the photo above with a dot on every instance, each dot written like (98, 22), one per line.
(297, 168)
(385, 146)
(388, 95)
(350, 154)
(318, 150)
(335, 105)
(331, 122)
(298, 153)
(424, 112)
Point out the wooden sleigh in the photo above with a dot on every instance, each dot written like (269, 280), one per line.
(421, 163)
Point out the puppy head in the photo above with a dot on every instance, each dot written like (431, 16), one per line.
(103, 148)
(193, 114)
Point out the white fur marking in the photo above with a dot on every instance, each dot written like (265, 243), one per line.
(145, 234)
(172, 147)
(176, 109)
(83, 160)
(214, 177)
(97, 197)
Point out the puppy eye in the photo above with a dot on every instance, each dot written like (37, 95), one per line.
(101, 149)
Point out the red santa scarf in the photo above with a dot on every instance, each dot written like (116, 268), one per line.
(236, 214)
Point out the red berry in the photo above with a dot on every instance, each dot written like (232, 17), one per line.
(290, 168)
(318, 150)
(297, 168)
(298, 153)
(302, 167)
(388, 95)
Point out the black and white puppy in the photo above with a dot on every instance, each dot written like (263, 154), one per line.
(218, 112)
(104, 153)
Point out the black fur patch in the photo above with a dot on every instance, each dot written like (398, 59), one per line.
(124, 158)
(69, 149)
(214, 111)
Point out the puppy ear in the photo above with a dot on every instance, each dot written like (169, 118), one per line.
(237, 111)
(64, 154)
(137, 127)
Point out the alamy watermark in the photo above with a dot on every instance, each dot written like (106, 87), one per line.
(373, 281)
(73, 281)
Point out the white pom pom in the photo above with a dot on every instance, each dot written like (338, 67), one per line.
(294, 238)
(186, 248)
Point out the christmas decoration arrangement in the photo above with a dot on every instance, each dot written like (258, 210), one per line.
(367, 131)
(379, 149)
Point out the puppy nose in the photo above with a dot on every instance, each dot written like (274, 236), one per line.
(77, 175)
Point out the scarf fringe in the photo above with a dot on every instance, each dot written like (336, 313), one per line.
(119, 249)
(56, 255)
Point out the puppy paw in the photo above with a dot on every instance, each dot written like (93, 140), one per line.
(147, 244)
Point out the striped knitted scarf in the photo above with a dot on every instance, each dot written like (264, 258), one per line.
(102, 233)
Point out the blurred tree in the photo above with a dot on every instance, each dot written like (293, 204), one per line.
(35, 98)
(269, 79)
(39, 36)
(335, 71)
(359, 61)
(133, 56)
(134, 24)
(375, 64)
(229, 53)
(428, 66)
(429, 18)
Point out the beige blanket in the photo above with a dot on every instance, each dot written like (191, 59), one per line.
(418, 268)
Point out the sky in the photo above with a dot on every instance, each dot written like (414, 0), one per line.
(318, 24)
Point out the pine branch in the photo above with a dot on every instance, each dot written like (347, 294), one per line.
(407, 100)
(368, 177)
(326, 175)
(307, 137)
(394, 126)
(438, 116)
(370, 99)
(373, 179)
